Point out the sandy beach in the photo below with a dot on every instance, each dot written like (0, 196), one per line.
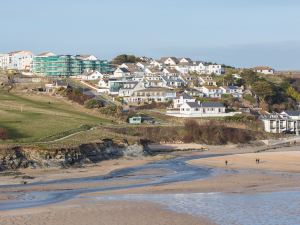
(288, 161)
(277, 170)
(107, 213)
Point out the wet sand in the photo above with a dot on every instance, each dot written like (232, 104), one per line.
(277, 171)
(106, 213)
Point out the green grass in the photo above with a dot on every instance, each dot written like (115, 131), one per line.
(33, 118)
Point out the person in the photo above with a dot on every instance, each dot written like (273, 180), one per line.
(226, 162)
(257, 161)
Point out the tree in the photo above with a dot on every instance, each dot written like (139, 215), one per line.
(293, 93)
(250, 77)
(120, 59)
(263, 89)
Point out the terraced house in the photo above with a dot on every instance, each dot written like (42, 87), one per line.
(49, 64)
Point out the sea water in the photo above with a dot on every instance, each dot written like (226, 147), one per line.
(269, 208)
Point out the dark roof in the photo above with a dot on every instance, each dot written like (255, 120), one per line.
(233, 87)
(212, 104)
(184, 95)
(124, 70)
(193, 104)
(292, 113)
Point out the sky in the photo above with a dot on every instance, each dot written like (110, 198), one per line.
(242, 33)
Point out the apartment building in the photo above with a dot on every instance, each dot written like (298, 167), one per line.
(67, 65)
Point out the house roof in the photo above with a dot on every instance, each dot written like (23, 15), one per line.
(271, 116)
(184, 95)
(86, 57)
(212, 104)
(211, 87)
(89, 73)
(262, 68)
(163, 59)
(21, 52)
(124, 70)
(193, 104)
(171, 79)
(46, 54)
(154, 70)
(187, 59)
(171, 70)
(150, 89)
(292, 113)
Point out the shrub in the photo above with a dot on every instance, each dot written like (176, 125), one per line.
(93, 103)
(3, 134)
(249, 98)
(241, 118)
(214, 133)
(76, 96)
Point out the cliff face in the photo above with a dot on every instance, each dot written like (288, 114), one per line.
(18, 157)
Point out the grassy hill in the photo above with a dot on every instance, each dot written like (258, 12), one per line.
(36, 118)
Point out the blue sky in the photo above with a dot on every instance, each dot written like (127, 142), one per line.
(237, 32)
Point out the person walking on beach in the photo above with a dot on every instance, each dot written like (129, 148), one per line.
(226, 162)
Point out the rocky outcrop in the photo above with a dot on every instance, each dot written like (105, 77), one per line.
(21, 157)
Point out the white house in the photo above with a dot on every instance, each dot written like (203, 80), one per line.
(235, 91)
(207, 80)
(187, 61)
(264, 69)
(171, 72)
(153, 71)
(169, 61)
(198, 67)
(90, 75)
(212, 91)
(181, 99)
(20, 60)
(4, 61)
(121, 72)
(143, 65)
(156, 63)
(214, 69)
(288, 121)
(151, 94)
(129, 87)
(203, 68)
(172, 81)
(197, 109)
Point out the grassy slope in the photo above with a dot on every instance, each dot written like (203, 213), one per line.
(30, 118)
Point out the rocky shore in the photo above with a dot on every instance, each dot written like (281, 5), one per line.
(25, 157)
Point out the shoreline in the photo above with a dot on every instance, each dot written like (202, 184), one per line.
(240, 177)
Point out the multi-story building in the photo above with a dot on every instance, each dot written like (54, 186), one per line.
(285, 122)
(151, 94)
(204, 68)
(48, 64)
(4, 61)
(18, 60)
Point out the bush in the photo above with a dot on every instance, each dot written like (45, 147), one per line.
(249, 98)
(241, 118)
(76, 96)
(93, 103)
(154, 105)
(214, 133)
(3, 134)
(112, 110)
